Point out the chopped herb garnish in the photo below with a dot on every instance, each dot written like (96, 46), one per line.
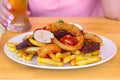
(87, 43)
(61, 30)
(61, 21)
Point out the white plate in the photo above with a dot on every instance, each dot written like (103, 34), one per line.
(107, 52)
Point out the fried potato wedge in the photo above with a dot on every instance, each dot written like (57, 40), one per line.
(48, 49)
(36, 43)
(49, 62)
(93, 37)
(89, 60)
(31, 50)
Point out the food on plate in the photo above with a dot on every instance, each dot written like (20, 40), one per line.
(34, 42)
(44, 61)
(25, 43)
(42, 38)
(48, 49)
(93, 38)
(69, 29)
(59, 43)
(92, 42)
(31, 50)
(90, 47)
(68, 40)
(88, 60)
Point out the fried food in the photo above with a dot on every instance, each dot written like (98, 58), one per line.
(68, 58)
(93, 37)
(53, 57)
(74, 30)
(58, 44)
(44, 61)
(31, 50)
(47, 49)
(36, 43)
(89, 60)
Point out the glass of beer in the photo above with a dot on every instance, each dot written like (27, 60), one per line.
(20, 22)
(2, 30)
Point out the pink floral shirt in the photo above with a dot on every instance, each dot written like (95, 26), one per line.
(66, 8)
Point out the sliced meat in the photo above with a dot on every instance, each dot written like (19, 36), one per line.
(61, 33)
(24, 44)
(90, 47)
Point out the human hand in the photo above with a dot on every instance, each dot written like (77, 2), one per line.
(5, 15)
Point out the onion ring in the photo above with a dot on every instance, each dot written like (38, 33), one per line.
(93, 37)
(74, 30)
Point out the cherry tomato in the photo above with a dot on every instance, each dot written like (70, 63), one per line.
(68, 40)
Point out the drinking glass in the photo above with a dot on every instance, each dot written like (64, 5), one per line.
(20, 21)
(2, 30)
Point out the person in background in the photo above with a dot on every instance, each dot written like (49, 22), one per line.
(65, 8)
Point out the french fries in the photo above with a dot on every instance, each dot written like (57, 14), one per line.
(69, 58)
(89, 60)
(36, 43)
(53, 57)
(62, 55)
(77, 52)
(75, 58)
(58, 44)
(13, 49)
(11, 44)
(80, 58)
(32, 49)
(22, 53)
(29, 57)
(49, 61)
